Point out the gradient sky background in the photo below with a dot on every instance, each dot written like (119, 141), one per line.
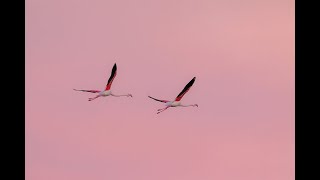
(241, 51)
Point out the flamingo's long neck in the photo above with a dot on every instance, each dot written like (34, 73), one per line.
(187, 105)
(121, 95)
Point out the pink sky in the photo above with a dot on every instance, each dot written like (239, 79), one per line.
(241, 51)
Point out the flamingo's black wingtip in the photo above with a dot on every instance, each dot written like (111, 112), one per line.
(114, 68)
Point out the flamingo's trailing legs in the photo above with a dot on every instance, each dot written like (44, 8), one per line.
(106, 91)
(177, 102)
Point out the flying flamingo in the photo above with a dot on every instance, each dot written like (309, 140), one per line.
(176, 102)
(106, 91)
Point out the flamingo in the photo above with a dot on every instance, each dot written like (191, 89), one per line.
(177, 102)
(106, 91)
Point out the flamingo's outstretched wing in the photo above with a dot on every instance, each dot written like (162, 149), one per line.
(91, 91)
(113, 75)
(185, 89)
(164, 101)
